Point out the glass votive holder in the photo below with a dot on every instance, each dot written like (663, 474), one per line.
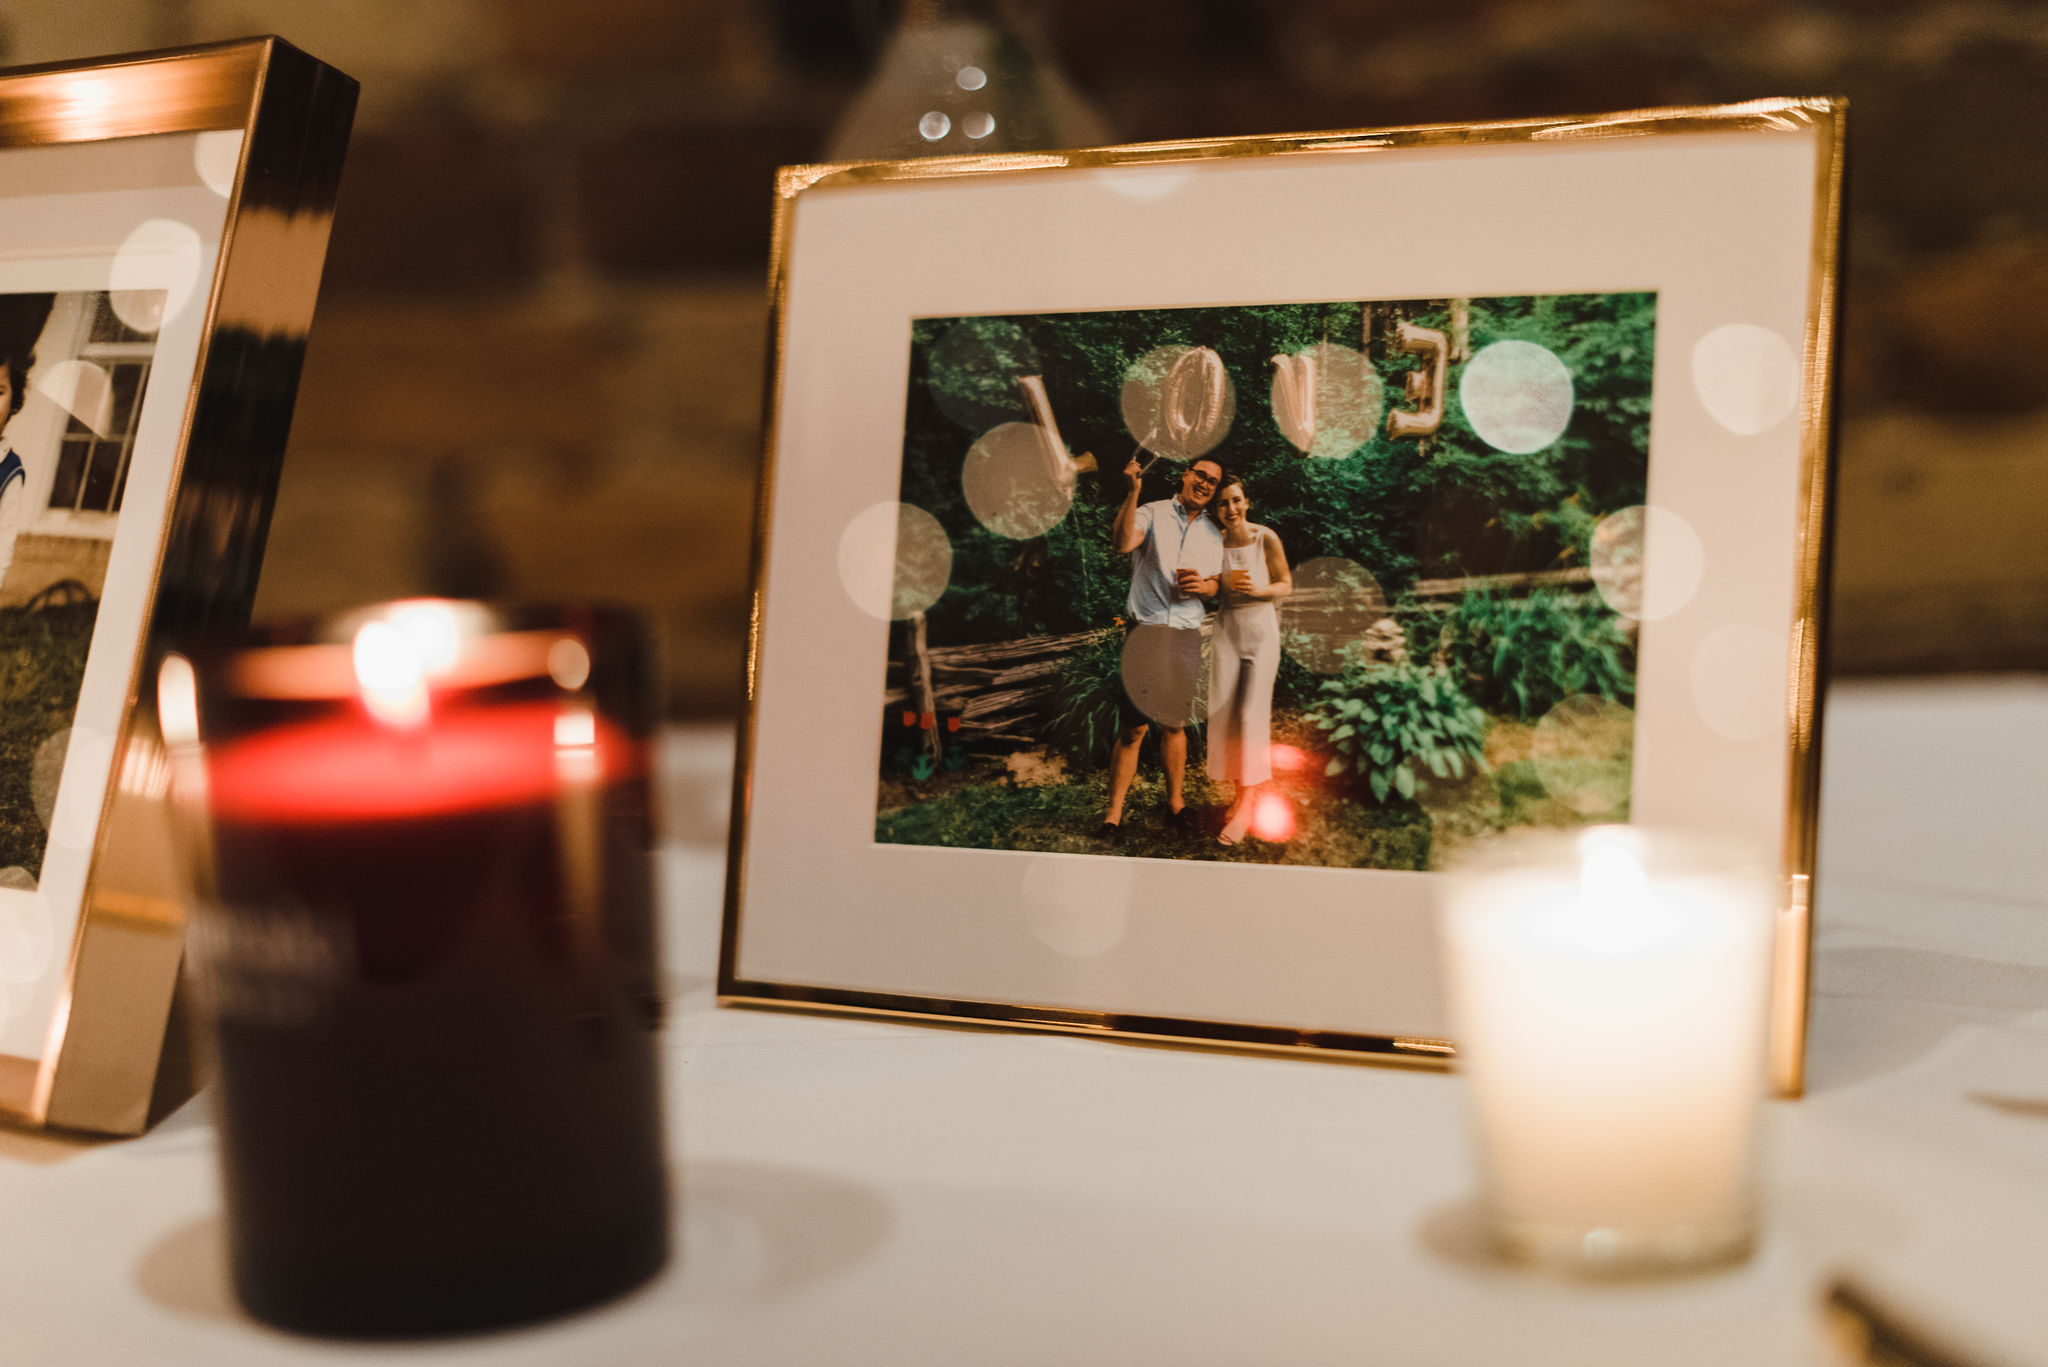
(420, 839)
(1609, 994)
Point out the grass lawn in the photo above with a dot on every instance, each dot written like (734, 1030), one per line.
(1529, 782)
(42, 662)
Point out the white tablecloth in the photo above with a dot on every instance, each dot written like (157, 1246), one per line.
(861, 1192)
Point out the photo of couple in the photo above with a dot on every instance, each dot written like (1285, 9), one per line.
(1353, 583)
(73, 369)
(1188, 553)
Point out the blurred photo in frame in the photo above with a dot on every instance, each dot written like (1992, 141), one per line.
(163, 224)
(1171, 556)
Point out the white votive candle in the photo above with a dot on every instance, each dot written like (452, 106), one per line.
(1609, 994)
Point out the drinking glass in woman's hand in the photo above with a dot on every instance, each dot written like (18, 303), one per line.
(1239, 582)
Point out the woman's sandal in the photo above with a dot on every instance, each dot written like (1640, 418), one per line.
(1233, 831)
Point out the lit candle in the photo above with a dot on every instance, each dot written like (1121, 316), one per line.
(1609, 993)
(427, 951)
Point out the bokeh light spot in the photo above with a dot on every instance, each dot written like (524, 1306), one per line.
(143, 310)
(1016, 485)
(1164, 673)
(970, 78)
(1517, 396)
(74, 822)
(1324, 622)
(1077, 906)
(214, 156)
(46, 775)
(978, 124)
(1327, 400)
(934, 125)
(1178, 401)
(26, 939)
(80, 388)
(1286, 759)
(1272, 817)
(1144, 183)
(1738, 681)
(154, 273)
(1582, 753)
(1628, 580)
(895, 560)
(569, 664)
(1747, 377)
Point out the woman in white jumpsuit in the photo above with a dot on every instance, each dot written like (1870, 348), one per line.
(1245, 655)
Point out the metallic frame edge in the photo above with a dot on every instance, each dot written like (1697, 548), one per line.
(1806, 685)
(1432, 1055)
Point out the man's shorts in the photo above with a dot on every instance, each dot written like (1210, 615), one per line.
(1162, 677)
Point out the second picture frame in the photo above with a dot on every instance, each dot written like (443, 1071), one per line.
(1172, 555)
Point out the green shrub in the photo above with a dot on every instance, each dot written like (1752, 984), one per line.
(1081, 717)
(1394, 727)
(1524, 656)
(1296, 685)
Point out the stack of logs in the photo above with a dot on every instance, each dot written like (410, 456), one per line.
(998, 689)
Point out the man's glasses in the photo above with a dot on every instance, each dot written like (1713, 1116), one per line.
(1201, 478)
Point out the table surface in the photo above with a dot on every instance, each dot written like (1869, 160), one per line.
(866, 1192)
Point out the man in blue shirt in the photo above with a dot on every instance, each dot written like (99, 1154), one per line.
(1176, 555)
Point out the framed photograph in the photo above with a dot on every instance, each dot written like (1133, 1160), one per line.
(163, 222)
(1170, 556)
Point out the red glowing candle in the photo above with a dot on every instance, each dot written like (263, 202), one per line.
(427, 949)
(345, 768)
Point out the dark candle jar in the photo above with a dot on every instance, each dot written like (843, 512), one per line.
(423, 936)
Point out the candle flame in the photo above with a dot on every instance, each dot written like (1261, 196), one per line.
(1611, 882)
(177, 713)
(435, 633)
(575, 728)
(576, 762)
(177, 702)
(1617, 911)
(390, 674)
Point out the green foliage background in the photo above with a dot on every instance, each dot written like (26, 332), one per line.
(1521, 657)
(1406, 509)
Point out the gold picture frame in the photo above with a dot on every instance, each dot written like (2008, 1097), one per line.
(166, 215)
(835, 239)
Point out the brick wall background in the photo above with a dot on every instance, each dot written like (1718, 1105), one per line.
(538, 361)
